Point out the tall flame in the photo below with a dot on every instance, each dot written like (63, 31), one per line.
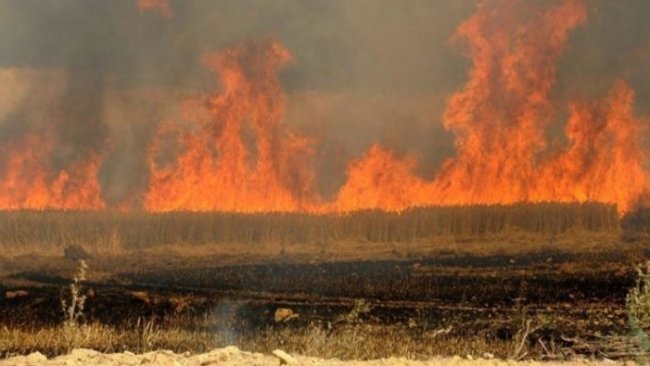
(499, 121)
(603, 160)
(499, 117)
(218, 169)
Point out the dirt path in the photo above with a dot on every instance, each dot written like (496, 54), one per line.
(233, 356)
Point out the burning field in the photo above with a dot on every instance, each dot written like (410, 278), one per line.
(346, 179)
(232, 150)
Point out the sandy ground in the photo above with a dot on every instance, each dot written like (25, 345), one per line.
(233, 356)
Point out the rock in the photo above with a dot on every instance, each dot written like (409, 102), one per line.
(163, 358)
(487, 356)
(83, 354)
(212, 362)
(230, 349)
(15, 294)
(142, 296)
(283, 315)
(285, 358)
(36, 357)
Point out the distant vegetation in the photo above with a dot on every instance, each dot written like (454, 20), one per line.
(636, 224)
(139, 230)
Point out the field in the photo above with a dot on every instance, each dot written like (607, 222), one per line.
(541, 281)
(104, 230)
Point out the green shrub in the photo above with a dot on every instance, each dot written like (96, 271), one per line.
(638, 312)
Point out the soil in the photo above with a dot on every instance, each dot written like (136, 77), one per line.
(581, 295)
(587, 291)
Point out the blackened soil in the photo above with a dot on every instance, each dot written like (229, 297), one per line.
(580, 294)
(540, 278)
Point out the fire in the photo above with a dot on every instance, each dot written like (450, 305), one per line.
(603, 160)
(499, 120)
(161, 7)
(239, 155)
(27, 182)
(380, 181)
(500, 117)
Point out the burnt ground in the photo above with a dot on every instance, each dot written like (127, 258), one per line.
(572, 294)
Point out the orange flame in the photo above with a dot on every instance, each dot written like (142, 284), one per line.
(218, 169)
(161, 7)
(603, 161)
(28, 183)
(499, 120)
(379, 180)
(237, 154)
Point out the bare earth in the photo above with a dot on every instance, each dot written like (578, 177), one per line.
(233, 356)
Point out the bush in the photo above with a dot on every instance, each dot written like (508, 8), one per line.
(73, 310)
(638, 312)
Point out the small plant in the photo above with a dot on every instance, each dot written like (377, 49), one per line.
(638, 313)
(147, 334)
(527, 327)
(361, 307)
(73, 311)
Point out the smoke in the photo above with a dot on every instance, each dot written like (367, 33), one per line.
(226, 313)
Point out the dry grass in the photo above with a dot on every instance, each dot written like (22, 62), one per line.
(357, 341)
(53, 341)
(365, 342)
(119, 242)
(114, 232)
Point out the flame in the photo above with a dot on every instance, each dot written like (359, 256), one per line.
(28, 183)
(500, 117)
(236, 152)
(603, 160)
(380, 180)
(218, 170)
(161, 7)
(499, 120)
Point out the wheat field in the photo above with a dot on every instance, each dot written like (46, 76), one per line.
(140, 230)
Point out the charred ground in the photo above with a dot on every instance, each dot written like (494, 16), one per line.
(439, 290)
